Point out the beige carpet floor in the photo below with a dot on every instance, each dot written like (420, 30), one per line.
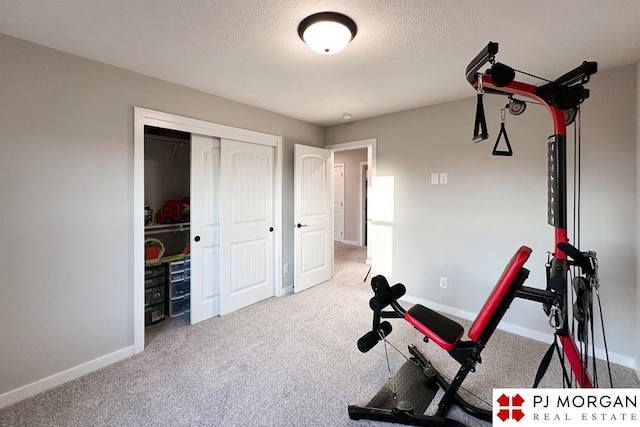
(289, 361)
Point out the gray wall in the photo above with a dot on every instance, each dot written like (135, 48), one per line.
(66, 181)
(351, 160)
(468, 229)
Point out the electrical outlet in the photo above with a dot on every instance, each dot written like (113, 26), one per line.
(443, 282)
(444, 178)
(434, 178)
(286, 268)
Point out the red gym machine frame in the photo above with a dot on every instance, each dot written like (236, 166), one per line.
(563, 92)
(418, 380)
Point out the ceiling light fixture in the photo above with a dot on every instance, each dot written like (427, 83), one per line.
(327, 33)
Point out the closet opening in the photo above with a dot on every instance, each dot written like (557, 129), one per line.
(226, 178)
(167, 189)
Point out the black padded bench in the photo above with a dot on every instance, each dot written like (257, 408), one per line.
(447, 333)
(420, 385)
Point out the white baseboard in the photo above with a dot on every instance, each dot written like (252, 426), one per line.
(617, 358)
(351, 242)
(29, 390)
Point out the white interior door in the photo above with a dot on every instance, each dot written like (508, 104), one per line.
(312, 216)
(246, 184)
(205, 227)
(338, 202)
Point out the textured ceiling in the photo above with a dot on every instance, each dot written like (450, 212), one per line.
(407, 53)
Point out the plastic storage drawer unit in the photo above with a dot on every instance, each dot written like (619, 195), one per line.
(153, 314)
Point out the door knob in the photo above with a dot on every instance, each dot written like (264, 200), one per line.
(197, 238)
(301, 225)
(271, 229)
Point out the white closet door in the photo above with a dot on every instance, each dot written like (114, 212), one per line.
(313, 235)
(247, 221)
(205, 227)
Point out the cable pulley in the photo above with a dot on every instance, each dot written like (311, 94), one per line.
(515, 106)
(501, 75)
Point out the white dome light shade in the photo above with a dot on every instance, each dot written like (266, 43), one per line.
(327, 33)
(326, 37)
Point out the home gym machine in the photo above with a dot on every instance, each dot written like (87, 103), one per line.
(408, 394)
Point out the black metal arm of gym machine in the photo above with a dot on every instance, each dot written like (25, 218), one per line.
(584, 260)
(480, 60)
(537, 295)
(580, 74)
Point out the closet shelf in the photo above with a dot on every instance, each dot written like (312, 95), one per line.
(166, 228)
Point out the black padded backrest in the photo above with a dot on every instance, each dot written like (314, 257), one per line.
(502, 289)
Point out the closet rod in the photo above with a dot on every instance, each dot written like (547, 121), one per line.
(166, 140)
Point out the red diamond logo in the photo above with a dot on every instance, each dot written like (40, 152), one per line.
(503, 414)
(517, 414)
(517, 400)
(510, 407)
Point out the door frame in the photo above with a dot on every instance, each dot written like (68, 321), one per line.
(370, 145)
(362, 221)
(343, 203)
(144, 117)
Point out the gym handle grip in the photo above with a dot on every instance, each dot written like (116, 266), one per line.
(371, 338)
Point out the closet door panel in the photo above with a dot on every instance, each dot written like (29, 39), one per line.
(205, 227)
(247, 220)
